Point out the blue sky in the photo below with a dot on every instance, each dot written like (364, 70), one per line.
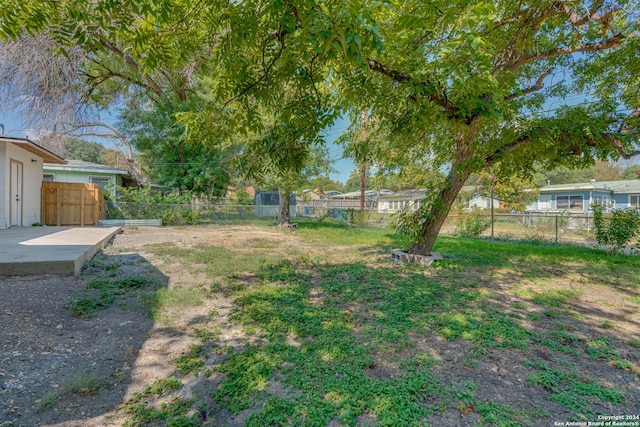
(342, 166)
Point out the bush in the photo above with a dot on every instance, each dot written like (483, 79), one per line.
(241, 198)
(181, 216)
(357, 217)
(470, 224)
(143, 203)
(618, 229)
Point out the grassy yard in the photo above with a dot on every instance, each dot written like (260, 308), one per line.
(334, 333)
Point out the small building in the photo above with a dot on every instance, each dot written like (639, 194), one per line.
(268, 204)
(106, 177)
(21, 163)
(579, 197)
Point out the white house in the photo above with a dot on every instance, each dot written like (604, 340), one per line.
(21, 162)
(471, 198)
(395, 202)
(107, 177)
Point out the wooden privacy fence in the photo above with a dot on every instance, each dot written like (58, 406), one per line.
(70, 203)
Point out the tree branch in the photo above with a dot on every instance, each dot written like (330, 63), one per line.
(133, 64)
(619, 147)
(504, 149)
(614, 41)
(264, 74)
(574, 17)
(539, 84)
(393, 74)
(397, 76)
(115, 134)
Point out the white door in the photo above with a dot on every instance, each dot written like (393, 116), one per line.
(15, 197)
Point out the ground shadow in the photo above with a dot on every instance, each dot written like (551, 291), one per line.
(61, 368)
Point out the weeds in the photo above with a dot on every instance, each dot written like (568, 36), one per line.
(572, 389)
(601, 349)
(101, 293)
(47, 402)
(173, 412)
(83, 384)
(192, 361)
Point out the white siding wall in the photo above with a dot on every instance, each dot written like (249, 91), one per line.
(4, 187)
(32, 183)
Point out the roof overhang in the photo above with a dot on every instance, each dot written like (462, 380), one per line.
(569, 189)
(30, 146)
(74, 168)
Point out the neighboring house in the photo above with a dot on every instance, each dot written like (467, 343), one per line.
(472, 198)
(469, 197)
(579, 197)
(21, 163)
(395, 202)
(308, 195)
(351, 200)
(107, 177)
(355, 195)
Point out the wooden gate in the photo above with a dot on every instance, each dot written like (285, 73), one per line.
(70, 203)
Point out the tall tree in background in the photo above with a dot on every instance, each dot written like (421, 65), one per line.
(169, 156)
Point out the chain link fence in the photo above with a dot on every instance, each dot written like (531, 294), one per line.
(177, 214)
(558, 228)
(551, 227)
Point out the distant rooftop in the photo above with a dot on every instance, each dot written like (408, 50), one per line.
(622, 186)
(82, 166)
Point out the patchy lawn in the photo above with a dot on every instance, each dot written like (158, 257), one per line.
(318, 327)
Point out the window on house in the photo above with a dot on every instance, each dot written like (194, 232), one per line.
(101, 181)
(604, 201)
(634, 201)
(569, 203)
(47, 177)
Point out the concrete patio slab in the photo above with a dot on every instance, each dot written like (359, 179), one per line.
(50, 250)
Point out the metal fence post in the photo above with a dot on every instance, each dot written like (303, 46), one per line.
(556, 228)
(492, 217)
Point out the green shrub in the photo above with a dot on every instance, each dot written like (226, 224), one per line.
(180, 215)
(618, 229)
(470, 224)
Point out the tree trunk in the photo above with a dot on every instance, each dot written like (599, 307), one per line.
(283, 215)
(439, 211)
(363, 183)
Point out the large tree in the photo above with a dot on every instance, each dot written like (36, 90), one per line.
(170, 157)
(469, 84)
